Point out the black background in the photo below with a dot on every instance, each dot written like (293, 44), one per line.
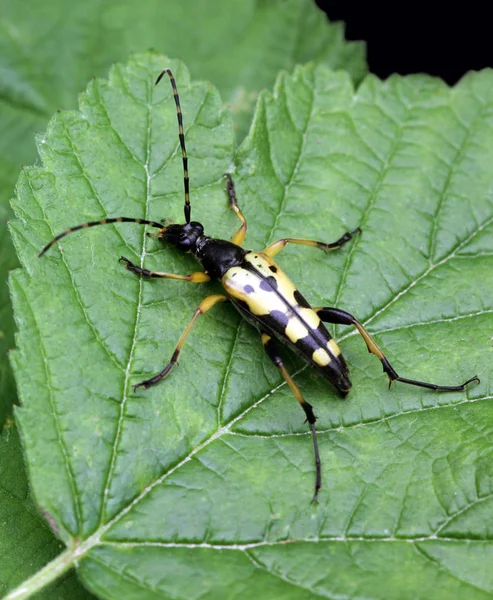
(435, 38)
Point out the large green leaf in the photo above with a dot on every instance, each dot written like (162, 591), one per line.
(201, 486)
(50, 49)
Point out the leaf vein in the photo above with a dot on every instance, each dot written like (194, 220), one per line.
(255, 561)
(431, 268)
(121, 417)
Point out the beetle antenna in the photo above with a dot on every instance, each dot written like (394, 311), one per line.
(181, 135)
(101, 222)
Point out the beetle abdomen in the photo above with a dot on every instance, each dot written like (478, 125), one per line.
(266, 297)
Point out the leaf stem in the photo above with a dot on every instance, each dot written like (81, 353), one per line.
(45, 576)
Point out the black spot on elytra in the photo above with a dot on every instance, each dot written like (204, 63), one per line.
(273, 268)
(269, 284)
(276, 320)
(249, 289)
(307, 345)
(300, 300)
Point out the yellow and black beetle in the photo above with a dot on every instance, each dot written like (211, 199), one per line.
(262, 294)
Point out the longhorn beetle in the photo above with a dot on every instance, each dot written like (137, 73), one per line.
(261, 293)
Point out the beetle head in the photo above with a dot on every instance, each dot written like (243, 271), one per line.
(184, 237)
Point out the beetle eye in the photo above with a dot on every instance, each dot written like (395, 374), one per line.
(184, 240)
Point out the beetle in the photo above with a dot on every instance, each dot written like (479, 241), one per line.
(261, 292)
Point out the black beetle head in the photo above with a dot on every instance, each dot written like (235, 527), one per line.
(184, 237)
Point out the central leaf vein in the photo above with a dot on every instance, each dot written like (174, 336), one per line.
(138, 309)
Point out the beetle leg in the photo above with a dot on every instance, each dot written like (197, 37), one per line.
(198, 277)
(203, 307)
(239, 236)
(272, 352)
(276, 247)
(341, 317)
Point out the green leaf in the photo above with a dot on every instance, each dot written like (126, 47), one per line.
(201, 486)
(26, 541)
(240, 45)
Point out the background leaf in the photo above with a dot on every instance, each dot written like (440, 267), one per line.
(8, 261)
(240, 46)
(201, 486)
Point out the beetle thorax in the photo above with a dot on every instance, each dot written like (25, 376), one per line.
(217, 256)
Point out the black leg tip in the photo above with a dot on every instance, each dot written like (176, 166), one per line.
(142, 384)
(310, 419)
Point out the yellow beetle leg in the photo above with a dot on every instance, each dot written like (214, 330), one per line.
(204, 306)
(276, 247)
(239, 236)
(341, 317)
(198, 277)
